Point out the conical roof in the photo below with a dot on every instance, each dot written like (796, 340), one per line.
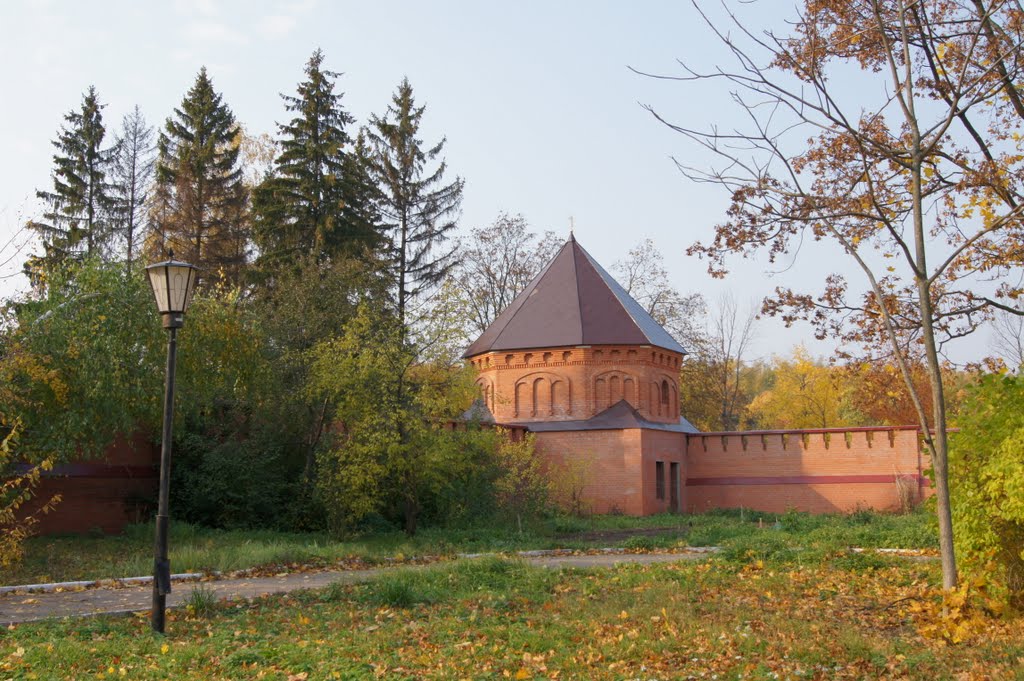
(573, 301)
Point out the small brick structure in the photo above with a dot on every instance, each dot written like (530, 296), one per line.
(582, 365)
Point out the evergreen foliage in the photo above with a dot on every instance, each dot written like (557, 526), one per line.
(316, 200)
(132, 173)
(77, 221)
(418, 208)
(201, 203)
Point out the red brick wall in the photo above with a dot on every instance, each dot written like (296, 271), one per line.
(615, 469)
(819, 471)
(103, 494)
(668, 448)
(575, 383)
(604, 465)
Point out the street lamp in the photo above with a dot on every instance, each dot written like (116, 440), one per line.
(173, 284)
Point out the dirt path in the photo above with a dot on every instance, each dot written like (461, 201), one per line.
(16, 608)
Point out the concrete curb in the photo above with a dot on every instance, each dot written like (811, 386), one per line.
(536, 553)
(185, 576)
(91, 583)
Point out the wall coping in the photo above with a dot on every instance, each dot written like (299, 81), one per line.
(809, 431)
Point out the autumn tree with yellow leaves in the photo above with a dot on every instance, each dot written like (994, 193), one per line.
(886, 128)
(805, 394)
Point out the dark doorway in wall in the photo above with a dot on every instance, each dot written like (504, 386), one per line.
(659, 479)
(673, 487)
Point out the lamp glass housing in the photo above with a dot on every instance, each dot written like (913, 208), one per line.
(173, 284)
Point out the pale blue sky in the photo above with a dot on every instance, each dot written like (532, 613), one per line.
(541, 113)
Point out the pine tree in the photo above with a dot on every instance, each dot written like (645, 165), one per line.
(77, 220)
(132, 173)
(200, 202)
(315, 201)
(418, 208)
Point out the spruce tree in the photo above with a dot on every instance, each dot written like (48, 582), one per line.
(132, 173)
(418, 207)
(77, 221)
(200, 201)
(314, 203)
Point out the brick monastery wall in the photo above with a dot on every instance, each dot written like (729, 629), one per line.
(820, 471)
(602, 466)
(105, 494)
(615, 470)
(670, 450)
(575, 383)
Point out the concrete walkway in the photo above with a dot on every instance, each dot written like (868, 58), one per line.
(29, 607)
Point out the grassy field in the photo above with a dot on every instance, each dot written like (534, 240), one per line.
(839, 616)
(195, 549)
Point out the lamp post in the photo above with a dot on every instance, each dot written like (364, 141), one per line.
(173, 283)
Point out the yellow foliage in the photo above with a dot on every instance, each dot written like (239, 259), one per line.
(15, 491)
(805, 395)
(956, 615)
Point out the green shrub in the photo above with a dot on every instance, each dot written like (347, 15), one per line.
(230, 480)
(15, 491)
(987, 482)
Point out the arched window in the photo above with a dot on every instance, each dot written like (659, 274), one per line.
(601, 394)
(629, 391)
(521, 406)
(664, 398)
(540, 395)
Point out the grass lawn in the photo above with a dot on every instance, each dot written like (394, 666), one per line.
(195, 549)
(837, 616)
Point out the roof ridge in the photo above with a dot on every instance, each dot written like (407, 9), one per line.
(576, 281)
(519, 302)
(616, 288)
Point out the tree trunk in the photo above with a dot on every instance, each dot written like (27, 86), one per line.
(403, 244)
(410, 510)
(940, 445)
(939, 437)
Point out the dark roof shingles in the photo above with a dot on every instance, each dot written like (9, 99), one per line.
(619, 416)
(572, 301)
